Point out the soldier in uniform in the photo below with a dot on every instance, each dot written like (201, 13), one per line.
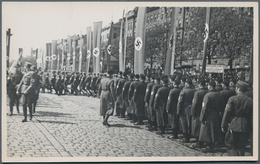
(93, 84)
(106, 99)
(53, 80)
(119, 92)
(196, 109)
(125, 95)
(88, 84)
(76, 83)
(27, 88)
(138, 98)
(147, 99)
(71, 82)
(117, 109)
(184, 109)
(98, 84)
(183, 80)
(218, 84)
(66, 83)
(37, 86)
(58, 84)
(210, 132)
(130, 97)
(232, 85)
(12, 80)
(171, 108)
(238, 120)
(152, 113)
(160, 105)
(82, 84)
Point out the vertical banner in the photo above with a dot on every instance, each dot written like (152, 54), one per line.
(169, 55)
(74, 53)
(125, 38)
(80, 52)
(206, 35)
(96, 46)
(88, 56)
(139, 41)
(16, 62)
(48, 57)
(54, 55)
(68, 53)
(109, 46)
(121, 59)
(62, 54)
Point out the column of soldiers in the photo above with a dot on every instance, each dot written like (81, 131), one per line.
(211, 110)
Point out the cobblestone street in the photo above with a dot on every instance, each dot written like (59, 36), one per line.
(70, 126)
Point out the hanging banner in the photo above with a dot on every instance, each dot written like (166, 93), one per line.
(74, 54)
(96, 46)
(68, 53)
(89, 41)
(109, 46)
(53, 55)
(121, 58)
(139, 41)
(125, 38)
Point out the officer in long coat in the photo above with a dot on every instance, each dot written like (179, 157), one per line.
(119, 92)
(196, 109)
(27, 89)
(138, 98)
(106, 99)
(82, 84)
(160, 105)
(152, 113)
(184, 109)
(147, 99)
(76, 83)
(238, 120)
(210, 132)
(171, 108)
(125, 95)
(130, 97)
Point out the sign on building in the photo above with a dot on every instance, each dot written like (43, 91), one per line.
(214, 68)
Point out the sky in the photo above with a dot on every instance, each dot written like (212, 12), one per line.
(33, 24)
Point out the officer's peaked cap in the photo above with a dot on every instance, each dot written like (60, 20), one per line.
(226, 82)
(189, 81)
(243, 84)
(212, 83)
(142, 76)
(27, 64)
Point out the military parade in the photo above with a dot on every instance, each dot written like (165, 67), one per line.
(207, 104)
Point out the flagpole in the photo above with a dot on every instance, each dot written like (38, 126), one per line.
(205, 40)
(125, 43)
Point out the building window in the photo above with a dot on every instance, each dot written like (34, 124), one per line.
(179, 23)
(114, 35)
(151, 19)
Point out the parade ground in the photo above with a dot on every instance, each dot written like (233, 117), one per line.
(70, 126)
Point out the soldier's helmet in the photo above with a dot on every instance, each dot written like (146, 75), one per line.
(33, 68)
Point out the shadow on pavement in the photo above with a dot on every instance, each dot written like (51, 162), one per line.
(50, 114)
(124, 126)
(56, 122)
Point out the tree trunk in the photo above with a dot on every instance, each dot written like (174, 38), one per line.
(230, 63)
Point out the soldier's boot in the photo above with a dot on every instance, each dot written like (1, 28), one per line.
(17, 107)
(139, 120)
(34, 106)
(105, 121)
(175, 133)
(129, 116)
(133, 118)
(11, 109)
(185, 138)
(30, 111)
(24, 113)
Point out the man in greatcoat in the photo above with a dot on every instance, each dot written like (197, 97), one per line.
(138, 98)
(184, 109)
(119, 92)
(210, 132)
(196, 109)
(152, 113)
(237, 121)
(147, 99)
(37, 87)
(27, 89)
(117, 100)
(160, 105)
(130, 97)
(125, 95)
(53, 80)
(106, 99)
(171, 108)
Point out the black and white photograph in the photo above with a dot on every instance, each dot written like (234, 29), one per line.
(129, 81)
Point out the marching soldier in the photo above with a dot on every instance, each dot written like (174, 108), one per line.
(119, 93)
(27, 88)
(183, 80)
(98, 84)
(53, 80)
(160, 105)
(171, 108)
(93, 84)
(138, 98)
(37, 87)
(88, 85)
(13, 80)
(210, 132)
(218, 84)
(106, 99)
(117, 108)
(130, 97)
(71, 82)
(152, 113)
(232, 85)
(125, 95)
(82, 84)
(58, 84)
(66, 83)
(76, 83)
(184, 109)
(237, 121)
(196, 109)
